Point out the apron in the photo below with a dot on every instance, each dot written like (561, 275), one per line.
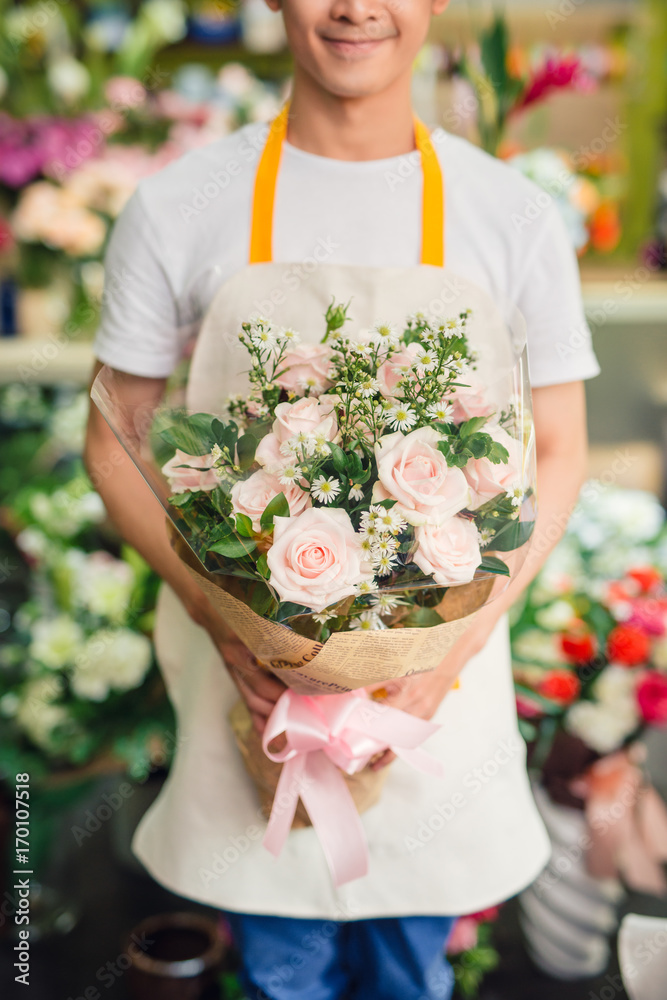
(442, 846)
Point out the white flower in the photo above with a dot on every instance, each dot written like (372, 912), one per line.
(441, 411)
(324, 617)
(388, 519)
(288, 336)
(56, 641)
(111, 658)
(367, 621)
(366, 586)
(367, 387)
(384, 603)
(104, 585)
(616, 687)
(385, 564)
(602, 727)
(555, 616)
(401, 417)
(290, 474)
(37, 715)
(356, 492)
(384, 333)
(425, 361)
(516, 495)
(263, 335)
(536, 646)
(310, 384)
(325, 488)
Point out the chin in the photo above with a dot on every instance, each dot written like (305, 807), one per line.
(352, 83)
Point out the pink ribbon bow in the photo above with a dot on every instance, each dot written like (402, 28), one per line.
(327, 734)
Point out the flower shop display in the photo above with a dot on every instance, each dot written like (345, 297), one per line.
(80, 694)
(591, 675)
(376, 480)
(85, 114)
(587, 184)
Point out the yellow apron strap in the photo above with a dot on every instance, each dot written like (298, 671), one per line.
(433, 202)
(261, 229)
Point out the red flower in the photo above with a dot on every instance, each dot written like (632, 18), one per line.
(628, 645)
(488, 915)
(561, 685)
(555, 74)
(578, 648)
(647, 577)
(652, 697)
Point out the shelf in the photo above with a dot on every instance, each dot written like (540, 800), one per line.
(608, 301)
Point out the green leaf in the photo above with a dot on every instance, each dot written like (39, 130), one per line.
(490, 564)
(246, 447)
(181, 499)
(478, 445)
(261, 599)
(422, 618)
(244, 525)
(498, 453)
(387, 504)
(278, 507)
(511, 535)
(263, 566)
(192, 434)
(340, 459)
(233, 547)
(287, 610)
(471, 426)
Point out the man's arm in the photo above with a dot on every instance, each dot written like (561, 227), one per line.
(561, 447)
(141, 521)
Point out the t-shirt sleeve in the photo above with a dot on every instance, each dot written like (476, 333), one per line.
(549, 296)
(139, 330)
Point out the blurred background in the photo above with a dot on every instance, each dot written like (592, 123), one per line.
(94, 96)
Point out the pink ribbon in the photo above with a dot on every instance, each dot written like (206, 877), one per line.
(327, 734)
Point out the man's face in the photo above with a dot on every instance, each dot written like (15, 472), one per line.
(355, 48)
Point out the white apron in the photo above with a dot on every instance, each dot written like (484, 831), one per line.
(443, 846)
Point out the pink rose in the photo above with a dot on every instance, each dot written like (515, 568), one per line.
(652, 698)
(470, 400)
(316, 558)
(306, 364)
(413, 472)
(307, 416)
(487, 479)
(190, 472)
(392, 370)
(448, 552)
(269, 455)
(251, 496)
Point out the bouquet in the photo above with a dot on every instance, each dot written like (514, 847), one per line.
(350, 512)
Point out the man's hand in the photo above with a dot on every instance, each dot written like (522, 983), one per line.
(258, 687)
(421, 694)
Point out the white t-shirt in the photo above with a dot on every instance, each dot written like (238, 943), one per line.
(185, 231)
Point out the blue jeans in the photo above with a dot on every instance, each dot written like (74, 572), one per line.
(392, 958)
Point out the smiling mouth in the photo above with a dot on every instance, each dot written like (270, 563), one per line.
(350, 47)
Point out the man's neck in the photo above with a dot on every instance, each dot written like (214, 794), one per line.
(368, 128)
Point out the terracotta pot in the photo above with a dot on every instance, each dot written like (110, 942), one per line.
(175, 956)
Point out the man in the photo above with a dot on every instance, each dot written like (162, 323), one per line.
(344, 194)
